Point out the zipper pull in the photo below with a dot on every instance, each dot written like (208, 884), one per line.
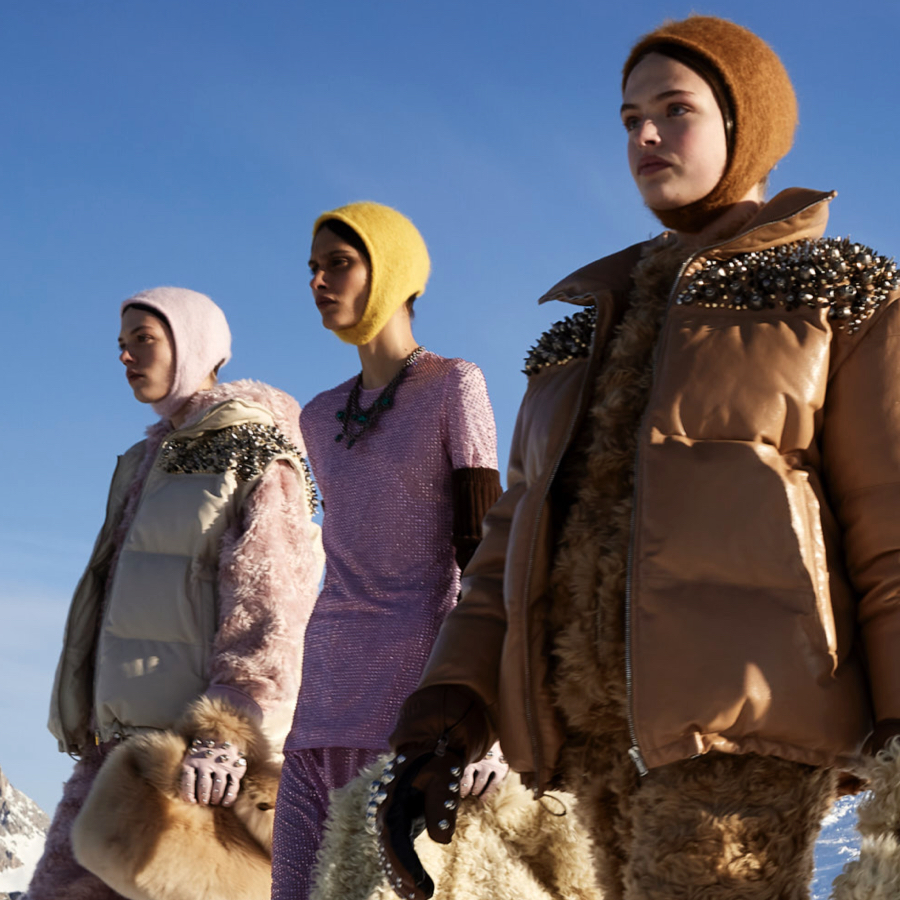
(635, 753)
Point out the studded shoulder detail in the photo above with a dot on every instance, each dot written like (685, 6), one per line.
(564, 341)
(852, 280)
(244, 449)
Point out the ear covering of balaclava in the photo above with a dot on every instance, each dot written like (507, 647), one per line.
(760, 96)
(399, 258)
(200, 336)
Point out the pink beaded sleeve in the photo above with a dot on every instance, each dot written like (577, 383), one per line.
(470, 434)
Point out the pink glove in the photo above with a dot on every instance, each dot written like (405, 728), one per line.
(483, 778)
(211, 773)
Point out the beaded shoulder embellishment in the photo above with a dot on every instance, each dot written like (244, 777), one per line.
(564, 341)
(243, 449)
(852, 280)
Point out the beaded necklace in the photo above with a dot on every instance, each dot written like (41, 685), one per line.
(356, 421)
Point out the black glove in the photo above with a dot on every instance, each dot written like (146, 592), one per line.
(420, 787)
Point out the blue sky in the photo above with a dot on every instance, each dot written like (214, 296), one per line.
(193, 143)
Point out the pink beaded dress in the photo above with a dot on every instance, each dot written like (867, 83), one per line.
(390, 579)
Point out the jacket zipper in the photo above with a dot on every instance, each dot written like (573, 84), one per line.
(529, 715)
(634, 751)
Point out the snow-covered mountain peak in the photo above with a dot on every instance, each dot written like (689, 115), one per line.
(23, 827)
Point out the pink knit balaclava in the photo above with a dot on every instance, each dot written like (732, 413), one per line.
(201, 340)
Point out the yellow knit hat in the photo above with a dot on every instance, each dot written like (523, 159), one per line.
(400, 263)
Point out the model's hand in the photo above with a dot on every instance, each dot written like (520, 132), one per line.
(483, 778)
(211, 773)
(419, 789)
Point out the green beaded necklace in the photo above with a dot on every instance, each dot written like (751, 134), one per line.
(356, 421)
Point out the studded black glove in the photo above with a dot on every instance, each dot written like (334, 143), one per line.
(418, 790)
(439, 730)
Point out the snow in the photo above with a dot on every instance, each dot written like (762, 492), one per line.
(28, 849)
(23, 827)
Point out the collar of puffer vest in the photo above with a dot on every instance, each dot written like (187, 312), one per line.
(209, 410)
(795, 214)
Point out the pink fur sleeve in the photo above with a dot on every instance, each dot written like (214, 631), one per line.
(269, 570)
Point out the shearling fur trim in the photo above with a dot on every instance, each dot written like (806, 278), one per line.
(588, 580)
(509, 847)
(589, 573)
(876, 874)
(138, 836)
(216, 718)
(729, 827)
(284, 408)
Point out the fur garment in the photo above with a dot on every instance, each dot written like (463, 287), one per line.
(509, 847)
(596, 483)
(140, 838)
(876, 874)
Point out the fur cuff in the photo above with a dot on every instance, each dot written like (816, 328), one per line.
(138, 836)
(876, 874)
(221, 720)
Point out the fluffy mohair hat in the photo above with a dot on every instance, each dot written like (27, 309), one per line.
(399, 258)
(760, 96)
(201, 340)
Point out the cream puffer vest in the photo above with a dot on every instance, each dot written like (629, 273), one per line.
(160, 612)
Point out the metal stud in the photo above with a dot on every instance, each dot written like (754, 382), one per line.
(850, 279)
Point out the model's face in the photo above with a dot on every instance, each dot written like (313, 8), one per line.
(340, 280)
(677, 149)
(146, 351)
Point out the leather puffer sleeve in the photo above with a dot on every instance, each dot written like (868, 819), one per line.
(269, 570)
(861, 455)
(470, 643)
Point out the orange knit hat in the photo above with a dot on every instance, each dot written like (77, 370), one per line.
(760, 98)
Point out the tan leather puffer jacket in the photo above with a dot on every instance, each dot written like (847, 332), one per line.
(763, 608)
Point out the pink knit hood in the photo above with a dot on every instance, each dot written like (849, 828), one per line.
(200, 335)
